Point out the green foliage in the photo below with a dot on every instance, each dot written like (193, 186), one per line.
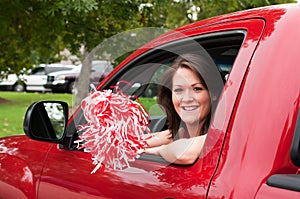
(27, 35)
(36, 31)
(70, 7)
(211, 8)
(110, 18)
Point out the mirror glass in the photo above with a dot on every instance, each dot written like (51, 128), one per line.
(55, 112)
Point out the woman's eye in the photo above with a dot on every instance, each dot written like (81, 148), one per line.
(198, 89)
(177, 90)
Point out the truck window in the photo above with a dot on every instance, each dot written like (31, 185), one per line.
(144, 74)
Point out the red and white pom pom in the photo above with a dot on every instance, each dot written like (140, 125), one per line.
(113, 134)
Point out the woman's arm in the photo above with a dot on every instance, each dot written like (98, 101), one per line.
(183, 151)
(159, 138)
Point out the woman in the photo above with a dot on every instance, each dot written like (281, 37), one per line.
(188, 92)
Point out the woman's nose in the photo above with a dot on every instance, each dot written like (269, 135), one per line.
(188, 95)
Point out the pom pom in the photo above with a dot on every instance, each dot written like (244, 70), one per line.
(113, 134)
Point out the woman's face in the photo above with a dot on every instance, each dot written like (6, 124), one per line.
(190, 97)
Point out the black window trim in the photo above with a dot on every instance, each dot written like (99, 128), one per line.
(290, 181)
(295, 147)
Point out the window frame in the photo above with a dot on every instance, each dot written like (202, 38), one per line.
(146, 58)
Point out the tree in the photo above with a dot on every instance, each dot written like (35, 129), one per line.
(36, 31)
(106, 22)
(30, 32)
(209, 8)
(110, 18)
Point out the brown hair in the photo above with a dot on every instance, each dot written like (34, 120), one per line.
(204, 67)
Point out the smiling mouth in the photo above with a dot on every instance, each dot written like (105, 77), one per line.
(189, 108)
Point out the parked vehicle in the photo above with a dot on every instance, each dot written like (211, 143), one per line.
(252, 148)
(64, 81)
(34, 80)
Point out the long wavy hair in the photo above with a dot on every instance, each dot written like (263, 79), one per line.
(204, 67)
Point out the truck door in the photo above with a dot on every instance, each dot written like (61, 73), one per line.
(67, 173)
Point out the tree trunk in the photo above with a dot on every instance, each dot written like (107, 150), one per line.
(83, 83)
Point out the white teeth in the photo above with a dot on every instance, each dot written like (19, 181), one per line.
(190, 108)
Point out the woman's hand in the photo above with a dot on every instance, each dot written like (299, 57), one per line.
(159, 138)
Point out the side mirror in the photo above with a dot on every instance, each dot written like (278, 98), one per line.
(46, 121)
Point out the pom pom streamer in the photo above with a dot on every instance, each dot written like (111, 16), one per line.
(113, 134)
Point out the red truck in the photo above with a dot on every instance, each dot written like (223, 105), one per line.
(252, 148)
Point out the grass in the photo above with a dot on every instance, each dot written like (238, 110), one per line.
(13, 110)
